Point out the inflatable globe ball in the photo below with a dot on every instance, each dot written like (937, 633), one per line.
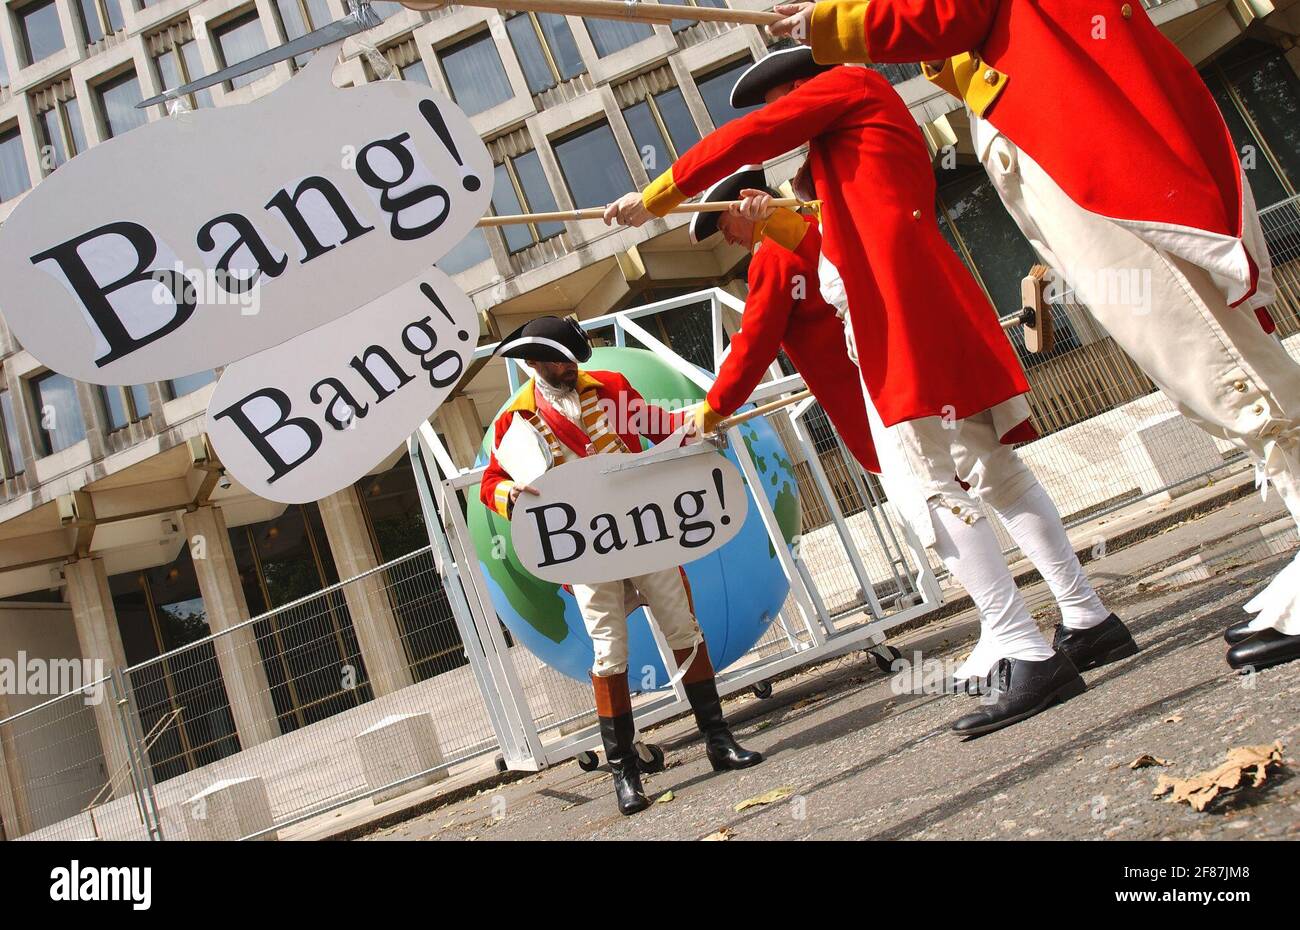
(737, 589)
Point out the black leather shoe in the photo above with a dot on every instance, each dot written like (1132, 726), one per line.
(1237, 633)
(719, 745)
(1106, 642)
(619, 736)
(1263, 649)
(1020, 689)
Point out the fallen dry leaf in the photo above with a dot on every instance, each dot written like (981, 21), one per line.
(1200, 790)
(665, 798)
(1146, 760)
(1173, 719)
(767, 797)
(719, 836)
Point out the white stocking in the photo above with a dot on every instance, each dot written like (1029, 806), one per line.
(1035, 524)
(971, 553)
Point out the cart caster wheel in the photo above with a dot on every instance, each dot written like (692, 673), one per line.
(502, 768)
(762, 690)
(651, 758)
(885, 658)
(588, 761)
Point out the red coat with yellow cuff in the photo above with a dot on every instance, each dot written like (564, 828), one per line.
(785, 310)
(603, 393)
(1161, 160)
(928, 342)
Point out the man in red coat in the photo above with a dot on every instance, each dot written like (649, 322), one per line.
(1154, 225)
(784, 309)
(564, 413)
(930, 348)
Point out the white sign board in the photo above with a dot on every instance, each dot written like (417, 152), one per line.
(206, 237)
(596, 520)
(300, 421)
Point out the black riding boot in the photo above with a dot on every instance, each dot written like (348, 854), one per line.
(618, 733)
(719, 745)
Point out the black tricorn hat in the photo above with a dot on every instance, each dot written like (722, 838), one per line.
(546, 339)
(774, 69)
(704, 225)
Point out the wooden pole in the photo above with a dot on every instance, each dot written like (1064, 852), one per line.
(596, 213)
(761, 410)
(613, 9)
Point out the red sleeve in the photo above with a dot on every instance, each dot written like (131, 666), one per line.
(494, 489)
(762, 327)
(771, 130)
(923, 30)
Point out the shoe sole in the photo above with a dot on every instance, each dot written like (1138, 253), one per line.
(1122, 651)
(1248, 667)
(724, 767)
(1070, 689)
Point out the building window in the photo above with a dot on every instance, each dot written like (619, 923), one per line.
(58, 412)
(593, 166)
(14, 178)
(12, 450)
(662, 128)
(716, 87)
(470, 251)
(179, 387)
(299, 17)
(611, 35)
(4, 69)
(181, 698)
(59, 127)
(520, 186)
(475, 74)
(117, 104)
(306, 650)
(39, 30)
(100, 18)
(124, 405)
(544, 45)
(177, 62)
(416, 71)
(238, 40)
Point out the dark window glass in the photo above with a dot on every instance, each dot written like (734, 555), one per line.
(4, 69)
(505, 202)
(179, 387)
(54, 151)
(296, 24)
(41, 33)
(475, 74)
(114, 407)
(1270, 91)
(537, 199)
(194, 71)
(611, 35)
(716, 91)
(681, 128)
(468, 252)
(13, 442)
(593, 166)
(90, 20)
(537, 190)
(239, 40)
(117, 100)
(415, 71)
(1264, 183)
(58, 411)
(540, 71)
(650, 143)
(14, 178)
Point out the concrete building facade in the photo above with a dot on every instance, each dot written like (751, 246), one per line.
(121, 537)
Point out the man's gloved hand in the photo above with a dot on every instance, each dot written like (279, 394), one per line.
(706, 418)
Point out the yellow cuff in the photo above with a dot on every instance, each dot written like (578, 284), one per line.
(501, 498)
(784, 227)
(662, 194)
(706, 418)
(839, 32)
(944, 78)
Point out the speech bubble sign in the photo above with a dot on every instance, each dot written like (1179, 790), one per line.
(206, 237)
(590, 524)
(300, 421)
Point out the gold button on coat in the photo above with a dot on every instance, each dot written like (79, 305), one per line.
(991, 76)
(1239, 386)
(1126, 11)
(956, 510)
(916, 214)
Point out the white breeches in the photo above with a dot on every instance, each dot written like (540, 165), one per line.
(1215, 362)
(605, 608)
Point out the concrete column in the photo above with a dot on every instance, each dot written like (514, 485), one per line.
(378, 632)
(99, 639)
(459, 423)
(240, 660)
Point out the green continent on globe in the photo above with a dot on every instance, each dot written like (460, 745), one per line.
(786, 508)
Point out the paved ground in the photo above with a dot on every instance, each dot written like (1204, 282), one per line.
(863, 757)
